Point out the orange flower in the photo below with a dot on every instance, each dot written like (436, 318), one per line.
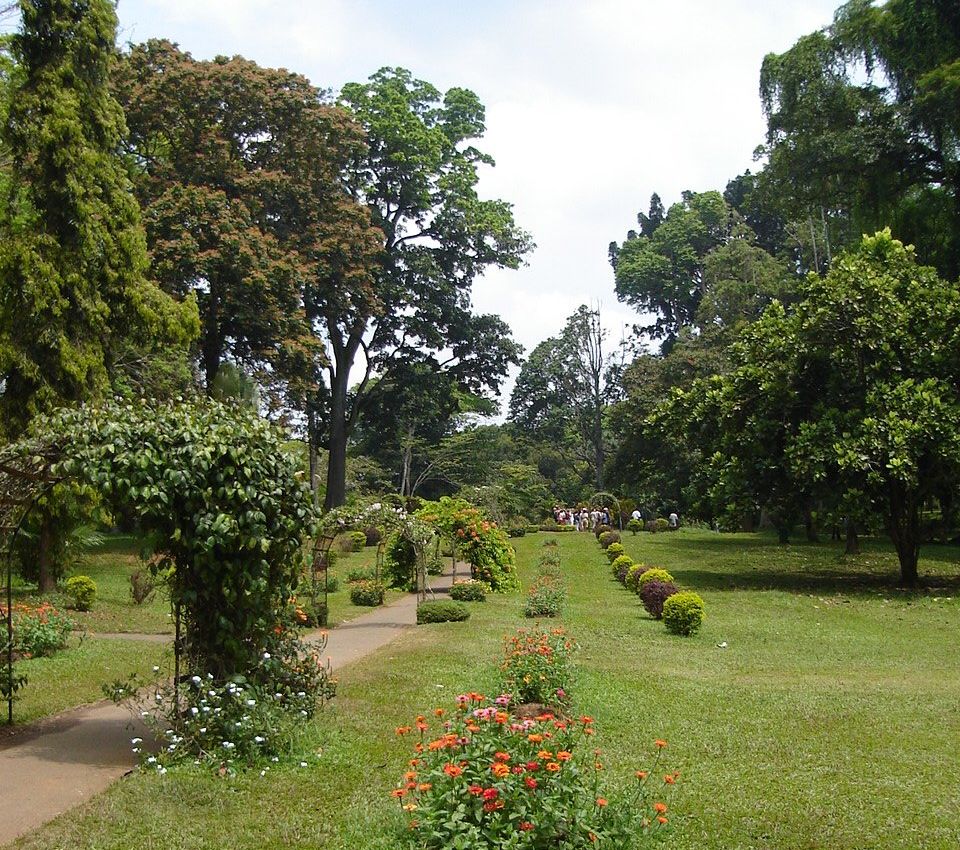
(670, 780)
(525, 826)
(544, 754)
(409, 807)
(410, 774)
(598, 766)
(534, 738)
(424, 786)
(492, 805)
(601, 802)
(452, 770)
(500, 770)
(439, 712)
(641, 774)
(504, 757)
(662, 819)
(660, 808)
(659, 744)
(397, 792)
(531, 782)
(552, 766)
(586, 721)
(563, 755)
(476, 790)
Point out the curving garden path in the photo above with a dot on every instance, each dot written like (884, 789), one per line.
(62, 761)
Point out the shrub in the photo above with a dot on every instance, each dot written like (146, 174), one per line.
(550, 558)
(236, 723)
(635, 525)
(315, 614)
(545, 597)
(651, 526)
(368, 593)
(142, 586)
(632, 580)
(537, 666)
(621, 561)
(360, 574)
(333, 583)
(373, 535)
(41, 630)
(614, 551)
(662, 524)
(345, 544)
(654, 593)
(532, 529)
(683, 613)
(441, 611)
(602, 528)
(652, 574)
(608, 537)
(549, 524)
(359, 540)
(485, 778)
(469, 591)
(82, 591)
(550, 541)
(517, 530)
(622, 571)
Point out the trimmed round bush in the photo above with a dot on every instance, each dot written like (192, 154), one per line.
(82, 591)
(368, 593)
(470, 590)
(635, 525)
(609, 537)
(662, 524)
(614, 551)
(517, 530)
(654, 593)
(652, 574)
(602, 528)
(622, 571)
(441, 611)
(358, 539)
(683, 613)
(621, 562)
(373, 535)
(333, 584)
(633, 576)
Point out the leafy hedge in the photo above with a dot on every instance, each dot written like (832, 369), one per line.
(441, 611)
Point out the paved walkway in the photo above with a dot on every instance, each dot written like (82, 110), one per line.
(65, 760)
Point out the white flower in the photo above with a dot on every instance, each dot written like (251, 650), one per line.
(152, 760)
(161, 770)
(136, 749)
(275, 758)
(156, 669)
(196, 680)
(136, 740)
(266, 656)
(251, 702)
(258, 739)
(228, 745)
(263, 772)
(194, 710)
(203, 730)
(303, 764)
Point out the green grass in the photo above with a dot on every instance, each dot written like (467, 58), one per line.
(341, 608)
(74, 676)
(829, 721)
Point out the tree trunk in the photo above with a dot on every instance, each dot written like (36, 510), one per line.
(905, 531)
(212, 343)
(853, 542)
(46, 579)
(783, 534)
(312, 452)
(811, 528)
(748, 524)
(337, 464)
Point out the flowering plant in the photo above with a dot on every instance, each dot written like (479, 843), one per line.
(537, 666)
(545, 597)
(486, 778)
(39, 629)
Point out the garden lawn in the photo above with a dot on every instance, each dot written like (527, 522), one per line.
(340, 608)
(830, 719)
(74, 676)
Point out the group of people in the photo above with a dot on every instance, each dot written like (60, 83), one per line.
(582, 519)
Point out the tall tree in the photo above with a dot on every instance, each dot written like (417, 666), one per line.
(418, 180)
(238, 168)
(73, 258)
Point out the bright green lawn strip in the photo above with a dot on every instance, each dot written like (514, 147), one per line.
(74, 676)
(780, 744)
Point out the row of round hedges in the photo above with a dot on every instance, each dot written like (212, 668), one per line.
(682, 612)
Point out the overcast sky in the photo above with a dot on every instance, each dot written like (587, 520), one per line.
(591, 105)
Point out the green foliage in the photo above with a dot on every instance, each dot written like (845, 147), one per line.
(537, 667)
(652, 574)
(40, 630)
(441, 611)
(683, 613)
(71, 234)
(546, 597)
(614, 551)
(469, 591)
(143, 586)
(373, 535)
(82, 591)
(356, 574)
(368, 593)
(632, 580)
(359, 540)
(224, 502)
(634, 526)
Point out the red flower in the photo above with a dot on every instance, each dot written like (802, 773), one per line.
(476, 790)
(525, 826)
(490, 794)
(531, 782)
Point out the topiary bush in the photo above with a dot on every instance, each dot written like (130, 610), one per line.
(662, 524)
(609, 537)
(621, 562)
(333, 584)
(470, 590)
(367, 593)
(517, 530)
(652, 574)
(358, 539)
(602, 528)
(621, 572)
(82, 591)
(441, 611)
(632, 579)
(614, 551)
(635, 525)
(654, 593)
(683, 613)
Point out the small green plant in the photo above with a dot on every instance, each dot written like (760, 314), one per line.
(652, 574)
(662, 524)
(609, 537)
(683, 613)
(549, 542)
(367, 593)
(546, 597)
(602, 528)
(635, 525)
(333, 584)
(358, 540)
(537, 667)
(632, 578)
(550, 558)
(359, 574)
(614, 551)
(441, 611)
(315, 614)
(40, 630)
(143, 586)
(517, 530)
(82, 591)
(470, 590)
